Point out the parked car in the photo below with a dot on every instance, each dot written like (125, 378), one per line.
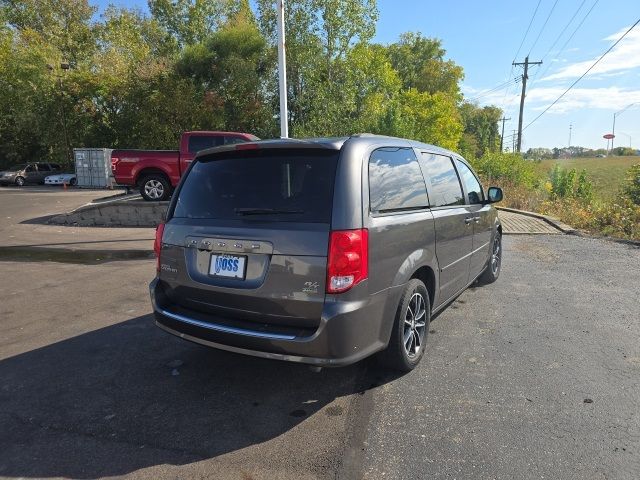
(61, 179)
(322, 251)
(157, 172)
(28, 173)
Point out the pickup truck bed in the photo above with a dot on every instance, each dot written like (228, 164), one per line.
(157, 172)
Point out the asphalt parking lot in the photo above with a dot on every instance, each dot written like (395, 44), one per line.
(535, 376)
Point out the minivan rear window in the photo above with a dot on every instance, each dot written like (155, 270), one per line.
(265, 185)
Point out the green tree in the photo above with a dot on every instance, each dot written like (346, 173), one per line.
(228, 70)
(62, 24)
(421, 65)
(480, 129)
(421, 116)
(320, 36)
(190, 21)
(30, 99)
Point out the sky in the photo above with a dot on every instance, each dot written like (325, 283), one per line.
(486, 36)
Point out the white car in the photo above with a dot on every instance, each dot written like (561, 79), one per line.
(61, 178)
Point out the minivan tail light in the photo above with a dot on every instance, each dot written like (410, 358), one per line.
(347, 259)
(157, 244)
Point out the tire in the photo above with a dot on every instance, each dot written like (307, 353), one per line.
(20, 181)
(410, 326)
(492, 271)
(155, 188)
(73, 182)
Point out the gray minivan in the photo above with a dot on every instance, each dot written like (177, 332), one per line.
(21, 175)
(322, 251)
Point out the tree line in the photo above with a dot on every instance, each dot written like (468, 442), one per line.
(541, 153)
(130, 79)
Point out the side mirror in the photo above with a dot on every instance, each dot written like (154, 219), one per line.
(494, 195)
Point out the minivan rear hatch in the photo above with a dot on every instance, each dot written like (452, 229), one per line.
(247, 236)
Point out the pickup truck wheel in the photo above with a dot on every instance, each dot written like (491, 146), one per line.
(154, 188)
(410, 329)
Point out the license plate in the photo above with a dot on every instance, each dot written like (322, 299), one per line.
(229, 266)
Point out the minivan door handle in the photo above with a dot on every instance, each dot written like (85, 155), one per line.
(468, 220)
(477, 219)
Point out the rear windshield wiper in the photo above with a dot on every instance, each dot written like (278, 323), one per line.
(265, 211)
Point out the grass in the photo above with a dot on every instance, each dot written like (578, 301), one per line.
(606, 174)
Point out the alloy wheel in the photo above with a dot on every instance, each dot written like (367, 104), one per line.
(496, 254)
(154, 189)
(414, 325)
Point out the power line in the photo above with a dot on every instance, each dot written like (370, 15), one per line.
(584, 74)
(564, 29)
(544, 72)
(527, 32)
(499, 87)
(504, 98)
(543, 27)
(538, 75)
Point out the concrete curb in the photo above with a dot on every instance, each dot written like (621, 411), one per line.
(554, 222)
(563, 227)
(70, 255)
(130, 212)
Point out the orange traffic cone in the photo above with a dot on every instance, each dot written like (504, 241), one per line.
(64, 185)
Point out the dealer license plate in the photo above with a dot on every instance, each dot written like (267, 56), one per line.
(230, 266)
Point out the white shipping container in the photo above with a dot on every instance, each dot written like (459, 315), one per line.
(93, 167)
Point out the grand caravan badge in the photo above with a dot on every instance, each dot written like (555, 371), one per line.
(310, 287)
(168, 268)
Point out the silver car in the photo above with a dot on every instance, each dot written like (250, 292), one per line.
(322, 251)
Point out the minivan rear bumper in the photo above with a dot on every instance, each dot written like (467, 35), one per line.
(348, 332)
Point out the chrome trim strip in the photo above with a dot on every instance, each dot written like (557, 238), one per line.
(480, 248)
(466, 256)
(225, 329)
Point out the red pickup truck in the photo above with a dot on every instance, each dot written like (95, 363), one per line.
(157, 172)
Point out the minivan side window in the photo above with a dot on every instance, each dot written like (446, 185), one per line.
(395, 181)
(202, 142)
(471, 183)
(445, 185)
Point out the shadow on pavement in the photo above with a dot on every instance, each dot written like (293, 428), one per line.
(129, 396)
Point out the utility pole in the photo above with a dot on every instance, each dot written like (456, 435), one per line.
(282, 72)
(64, 66)
(570, 128)
(502, 136)
(513, 141)
(525, 76)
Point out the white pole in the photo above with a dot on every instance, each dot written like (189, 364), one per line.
(282, 73)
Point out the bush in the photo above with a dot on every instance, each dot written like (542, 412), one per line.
(631, 187)
(507, 168)
(620, 219)
(570, 184)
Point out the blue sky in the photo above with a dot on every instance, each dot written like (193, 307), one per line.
(484, 36)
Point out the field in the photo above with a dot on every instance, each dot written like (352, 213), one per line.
(606, 174)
